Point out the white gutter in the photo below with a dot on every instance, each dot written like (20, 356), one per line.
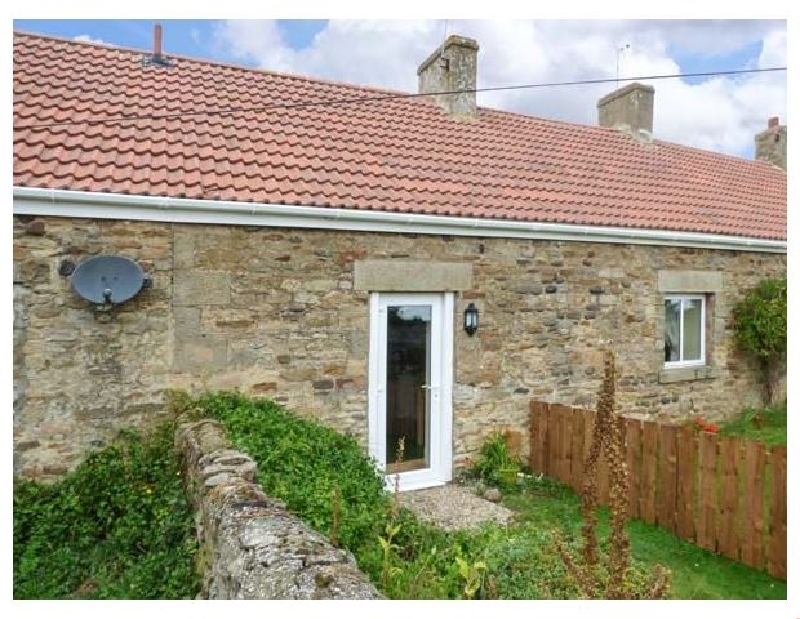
(60, 203)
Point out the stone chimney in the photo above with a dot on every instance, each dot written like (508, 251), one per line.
(771, 143)
(629, 108)
(453, 66)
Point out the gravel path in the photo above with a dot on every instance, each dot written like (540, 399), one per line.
(454, 507)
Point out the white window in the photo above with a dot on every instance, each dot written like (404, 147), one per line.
(684, 331)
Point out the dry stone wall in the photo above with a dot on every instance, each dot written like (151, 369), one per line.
(274, 312)
(251, 548)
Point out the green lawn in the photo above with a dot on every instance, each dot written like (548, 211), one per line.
(696, 573)
(767, 425)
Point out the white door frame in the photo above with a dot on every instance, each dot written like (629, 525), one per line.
(441, 409)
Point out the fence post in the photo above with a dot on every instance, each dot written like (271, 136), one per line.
(633, 442)
(685, 517)
(534, 455)
(649, 484)
(728, 532)
(667, 477)
(706, 529)
(578, 455)
(753, 532)
(776, 564)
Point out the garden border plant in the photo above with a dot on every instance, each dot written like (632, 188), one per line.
(759, 320)
(118, 527)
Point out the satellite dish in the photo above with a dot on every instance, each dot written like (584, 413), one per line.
(108, 279)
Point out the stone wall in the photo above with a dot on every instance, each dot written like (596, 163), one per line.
(251, 548)
(274, 312)
(81, 375)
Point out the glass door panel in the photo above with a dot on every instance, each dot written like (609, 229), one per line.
(408, 387)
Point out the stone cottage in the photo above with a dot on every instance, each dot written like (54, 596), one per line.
(390, 265)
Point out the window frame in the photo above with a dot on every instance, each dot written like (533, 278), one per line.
(703, 303)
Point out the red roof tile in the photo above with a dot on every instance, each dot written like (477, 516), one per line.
(394, 155)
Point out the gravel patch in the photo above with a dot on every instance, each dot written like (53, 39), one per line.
(453, 507)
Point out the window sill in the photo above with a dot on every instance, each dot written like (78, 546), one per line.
(677, 375)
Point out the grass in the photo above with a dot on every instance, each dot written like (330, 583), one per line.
(767, 425)
(696, 573)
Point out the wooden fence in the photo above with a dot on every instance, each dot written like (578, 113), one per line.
(725, 494)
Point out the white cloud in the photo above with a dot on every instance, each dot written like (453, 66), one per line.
(721, 113)
(87, 39)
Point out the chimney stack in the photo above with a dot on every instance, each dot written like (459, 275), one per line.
(453, 66)
(629, 108)
(771, 143)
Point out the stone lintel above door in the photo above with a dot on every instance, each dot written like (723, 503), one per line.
(412, 276)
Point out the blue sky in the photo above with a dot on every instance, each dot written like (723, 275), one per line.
(185, 37)
(721, 114)
(191, 37)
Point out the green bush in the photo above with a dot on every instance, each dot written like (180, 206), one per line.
(301, 462)
(119, 526)
(495, 465)
(760, 325)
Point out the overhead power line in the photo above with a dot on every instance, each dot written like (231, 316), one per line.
(384, 97)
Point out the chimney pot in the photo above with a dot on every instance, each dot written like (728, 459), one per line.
(157, 41)
(452, 67)
(773, 122)
(629, 108)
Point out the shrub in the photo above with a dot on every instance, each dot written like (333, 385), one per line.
(304, 463)
(496, 466)
(119, 526)
(760, 326)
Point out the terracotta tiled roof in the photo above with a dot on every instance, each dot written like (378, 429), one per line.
(394, 155)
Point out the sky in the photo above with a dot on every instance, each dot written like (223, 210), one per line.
(715, 113)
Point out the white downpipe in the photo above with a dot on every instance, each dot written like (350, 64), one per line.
(61, 203)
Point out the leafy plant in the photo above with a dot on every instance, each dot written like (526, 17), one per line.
(392, 529)
(472, 574)
(495, 465)
(301, 462)
(760, 326)
(119, 526)
(336, 515)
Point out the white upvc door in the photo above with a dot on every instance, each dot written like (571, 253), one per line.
(410, 387)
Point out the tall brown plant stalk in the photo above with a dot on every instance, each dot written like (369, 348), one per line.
(607, 439)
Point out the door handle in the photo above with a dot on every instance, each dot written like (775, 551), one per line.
(429, 387)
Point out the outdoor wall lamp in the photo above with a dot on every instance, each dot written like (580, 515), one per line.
(471, 319)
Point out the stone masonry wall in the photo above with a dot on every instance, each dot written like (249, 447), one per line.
(81, 375)
(251, 548)
(273, 312)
